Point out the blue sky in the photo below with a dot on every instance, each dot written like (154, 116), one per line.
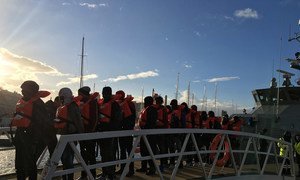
(141, 43)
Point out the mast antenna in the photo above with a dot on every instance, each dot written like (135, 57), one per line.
(81, 66)
(188, 95)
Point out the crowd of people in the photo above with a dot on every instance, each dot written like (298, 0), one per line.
(38, 123)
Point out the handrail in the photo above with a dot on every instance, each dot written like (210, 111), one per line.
(189, 134)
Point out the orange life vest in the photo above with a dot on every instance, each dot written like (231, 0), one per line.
(188, 119)
(143, 117)
(161, 121)
(169, 118)
(206, 124)
(197, 119)
(85, 108)
(105, 111)
(125, 106)
(23, 113)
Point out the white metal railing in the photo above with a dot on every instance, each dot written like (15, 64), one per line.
(189, 134)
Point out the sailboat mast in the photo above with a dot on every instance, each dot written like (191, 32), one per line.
(81, 66)
(216, 86)
(188, 95)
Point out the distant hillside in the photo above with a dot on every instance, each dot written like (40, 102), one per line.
(8, 102)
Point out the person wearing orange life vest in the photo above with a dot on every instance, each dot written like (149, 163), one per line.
(110, 117)
(235, 124)
(205, 138)
(162, 123)
(148, 120)
(89, 115)
(127, 123)
(30, 119)
(225, 122)
(195, 116)
(68, 121)
(175, 122)
(214, 121)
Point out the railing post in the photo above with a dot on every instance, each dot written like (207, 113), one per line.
(81, 161)
(199, 155)
(266, 158)
(216, 157)
(231, 154)
(130, 156)
(61, 145)
(152, 156)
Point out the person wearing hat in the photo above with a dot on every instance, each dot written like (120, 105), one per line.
(68, 121)
(30, 119)
(89, 115)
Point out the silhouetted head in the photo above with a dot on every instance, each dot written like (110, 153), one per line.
(203, 115)
(297, 55)
(106, 93)
(174, 103)
(211, 114)
(185, 107)
(84, 92)
(148, 101)
(194, 107)
(159, 100)
(121, 93)
(65, 95)
(29, 89)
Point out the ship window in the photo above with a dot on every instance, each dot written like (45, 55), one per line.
(294, 95)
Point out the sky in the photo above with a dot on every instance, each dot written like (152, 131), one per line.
(225, 49)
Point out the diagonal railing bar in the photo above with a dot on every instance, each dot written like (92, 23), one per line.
(291, 155)
(180, 156)
(81, 161)
(216, 157)
(256, 155)
(231, 154)
(152, 155)
(266, 158)
(244, 156)
(130, 156)
(190, 134)
(198, 154)
(55, 158)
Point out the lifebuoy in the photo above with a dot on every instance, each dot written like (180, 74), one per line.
(214, 146)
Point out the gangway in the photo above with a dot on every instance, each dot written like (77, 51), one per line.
(272, 166)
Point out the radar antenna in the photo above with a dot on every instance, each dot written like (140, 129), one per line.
(287, 77)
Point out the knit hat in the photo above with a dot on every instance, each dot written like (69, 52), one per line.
(84, 90)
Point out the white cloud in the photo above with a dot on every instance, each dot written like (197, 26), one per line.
(16, 69)
(66, 4)
(77, 79)
(133, 76)
(187, 66)
(103, 5)
(229, 18)
(246, 13)
(89, 5)
(222, 79)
